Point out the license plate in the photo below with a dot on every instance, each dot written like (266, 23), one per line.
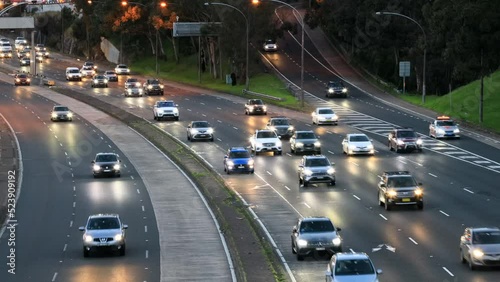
(241, 166)
(406, 199)
(203, 135)
(320, 249)
(321, 177)
(328, 118)
(107, 170)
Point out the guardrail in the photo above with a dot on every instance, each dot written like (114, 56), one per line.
(248, 92)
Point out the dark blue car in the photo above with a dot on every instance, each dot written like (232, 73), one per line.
(238, 159)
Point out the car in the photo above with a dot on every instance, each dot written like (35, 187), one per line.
(265, 141)
(305, 141)
(103, 231)
(399, 188)
(20, 42)
(4, 40)
(122, 69)
(23, 53)
(354, 144)
(238, 159)
(60, 112)
(132, 82)
(404, 139)
(42, 51)
(87, 71)
(282, 126)
(24, 61)
(316, 169)
(5, 54)
(336, 89)
(90, 64)
(21, 79)
(444, 127)
(200, 130)
(111, 75)
(39, 58)
(324, 115)
(153, 87)
(99, 81)
(270, 45)
(316, 234)
(480, 246)
(39, 46)
(22, 46)
(106, 164)
(165, 109)
(255, 106)
(134, 91)
(5, 47)
(73, 73)
(355, 266)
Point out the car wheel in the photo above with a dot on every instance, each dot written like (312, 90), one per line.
(462, 258)
(387, 205)
(177, 118)
(252, 171)
(212, 139)
(420, 205)
(300, 257)
(118, 175)
(122, 250)
(332, 183)
(95, 176)
(188, 138)
(318, 152)
(228, 172)
(305, 183)
(154, 117)
(85, 252)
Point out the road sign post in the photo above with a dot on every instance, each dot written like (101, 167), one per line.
(404, 71)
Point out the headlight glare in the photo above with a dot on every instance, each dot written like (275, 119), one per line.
(308, 172)
(336, 241)
(96, 167)
(54, 115)
(418, 192)
(302, 243)
(392, 193)
(330, 170)
(210, 131)
(477, 253)
(344, 90)
(116, 166)
(317, 144)
(88, 238)
(419, 141)
(118, 237)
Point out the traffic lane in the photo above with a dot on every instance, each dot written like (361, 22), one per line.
(44, 208)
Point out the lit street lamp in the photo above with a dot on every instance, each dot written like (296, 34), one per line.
(247, 79)
(425, 45)
(302, 45)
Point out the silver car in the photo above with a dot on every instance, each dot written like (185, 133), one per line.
(480, 246)
(132, 82)
(305, 141)
(134, 91)
(200, 130)
(106, 164)
(61, 113)
(315, 235)
(316, 169)
(103, 231)
(351, 267)
(444, 127)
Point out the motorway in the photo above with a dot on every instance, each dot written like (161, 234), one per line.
(409, 245)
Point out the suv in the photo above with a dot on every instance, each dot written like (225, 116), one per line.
(282, 126)
(238, 159)
(265, 141)
(106, 164)
(200, 130)
(165, 109)
(399, 188)
(351, 267)
(103, 231)
(404, 139)
(90, 64)
(5, 47)
(315, 234)
(480, 246)
(316, 169)
(153, 86)
(73, 73)
(20, 41)
(61, 113)
(305, 142)
(255, 106)
(122, 69)
(99, 81)
(336, 89)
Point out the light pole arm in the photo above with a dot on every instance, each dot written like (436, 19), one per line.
(12, 6)
(408, 18)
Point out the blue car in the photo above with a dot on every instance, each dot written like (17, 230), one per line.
(238, 159)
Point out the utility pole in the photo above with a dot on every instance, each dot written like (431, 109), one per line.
(481, 96)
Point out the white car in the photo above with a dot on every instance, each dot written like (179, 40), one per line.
(111, 75)
(444, 127)
(357, 144)
(266, 141)
(87, 71)
(165, 109)
(5, 47)
(324, 116)
(73, 73)
(61, 113)
(132, 82)
(20, 42)
(351, 267)
(270, 46)
(122, 69)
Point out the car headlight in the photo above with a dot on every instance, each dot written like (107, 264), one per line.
(70, 114)
(352, 147)
(116, 166)
(18, 80)
(150, 86)
(272, 128)
(250, 162)
(105, 81)
(88, 238)
(127, 70)
(96, 167)
(440, 131)
(95, 80)
(317, 144)
(400, 142)
(138, 84)
(419, 192)
(54, 115)
(301, 243)
(299, 144)
(370, 147)
(456, 130)
(210, 131)
(118, 237)
(291, 128)
(95, 67)
(265, 108)
(129, 90)
(392, 193)
(331, 171)
(335, 117)
(28, 80)
(161, 86)
(193, 131)
(176, 110)
(336, 241)
(419, 141)
(308, 172)
(330, 90)
(140, 90)
(477, 253)
(344, 90)
(230, 163)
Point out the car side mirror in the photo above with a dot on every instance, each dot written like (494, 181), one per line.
(92, 162)
(177, 105)
(328, 273)
(301, 166)
(125, 226)
(81, 228)
(225, 156)
(294, 230)
(339, 229)
(379, 271)
(382, 185)
(345, 140)
(119, 161)
(420, 184)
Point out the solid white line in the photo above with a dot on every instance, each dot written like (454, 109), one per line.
(444, 213)
(414, 242)
(54, 277)
(356, 197)
(468, 190)
(147, 253)
(287, 188)
(433, 175)
(382, 216)
(269, 172)
(307, 205)
(449, 272)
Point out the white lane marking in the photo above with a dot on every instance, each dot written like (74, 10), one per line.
(269, 172)
(414, 242)
(219, 108)
(356, 197)
(71, 224)
(401, 161)
(74, 204)
(287, 188)
(218, 139)
(449, 272)
(189, 110)
(235, 114)
(352, 251)
(50, 129)
(235, 128)
(354, 163)
(219, 121)
(382, 216)
(132, 176)
(145, 228)
(444, 213)
(147, 253)
(142, 208)
(102, 138)
(109, 145)
(60, 144)
(204, 115)
(69, 163)
(94, 130)
(472, 192)
(65, 246)
(331, 152)
(55, 136)
(54, 277)
(307, 205)
(138, 192)
(74, 188)
(433, 175)
(66, 153)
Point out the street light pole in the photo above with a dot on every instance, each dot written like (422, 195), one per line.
(425, 46)
(247, 79)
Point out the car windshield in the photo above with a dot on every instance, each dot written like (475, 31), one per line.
(256, 102)
(88, 64)
(266, 134)
(103, 223)
(486, 237)
(200, 124)
(325, 111)
(353, 267)
(402, 181)
(100, 77)
(407, 134)
(306, 135)
(109, 72)
(165, 104)
(335, 84)
(359, 138)
(131, 80)
(22, 76)
(239, 155)
(269, 41)
(316, 226)
(106, 158)
(122, 66)
(61, 109)
(445, 123)
(74, 71)
(87, 68)
(317, 162)
(283, 121)
(153, 82)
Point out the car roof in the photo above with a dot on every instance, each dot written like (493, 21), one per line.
(483, 229)
(314, 157)
(404, 129)
(104, 215)
(315, 218)
(304, 131)
(264, 130)
(324, 108)
(104, 153)
(165, 101)
(233, 149)
(396, 173)
(350, 256)
(279, 117)
(356, 134)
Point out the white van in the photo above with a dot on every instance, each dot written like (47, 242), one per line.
(73, 73)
